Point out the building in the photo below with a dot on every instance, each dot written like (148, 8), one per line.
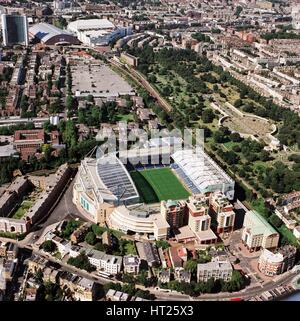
(97, 32)
(13, 195)
(27, 142)
(201, 174)
(100, 185)
(164, 276)
(148, 252)
(113, 295)
(278, 262)
(138, 219)
(111, 264)
(216, 270)
(50, 35)
(176, 260)
(131, 264)
(182, 276)
(173, 212)
(296, 16)
(222, 212)
(84, 290)
(258, 233)
(199, 221)
(296, 232)
(129, 59)
(14, 30)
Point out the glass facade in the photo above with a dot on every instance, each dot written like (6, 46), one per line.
(16, 30)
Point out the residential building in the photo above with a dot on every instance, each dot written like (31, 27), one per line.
(164, 276)
(131, 264)
(182, 276)
(148, 252)
(28, 142)
(278, 262)
(216, 270)
(113, 295)
(173, 212)
(258, 233)
(222, 212)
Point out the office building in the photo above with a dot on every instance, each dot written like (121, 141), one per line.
(258, 233)
(14, 30)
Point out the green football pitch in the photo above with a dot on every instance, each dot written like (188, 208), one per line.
(155, 185)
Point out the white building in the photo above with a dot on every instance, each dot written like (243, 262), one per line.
(97, 32)
(216, 270)
(296, 16)
(136, 219)
(258, 233)
(131, 264)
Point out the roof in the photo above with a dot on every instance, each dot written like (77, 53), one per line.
(217, 265)
(200, 172)
(90, 24)
(107, 179)
(257, 223)
(45, 31)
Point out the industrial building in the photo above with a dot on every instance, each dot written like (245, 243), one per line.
(97, 32)
(50, 35)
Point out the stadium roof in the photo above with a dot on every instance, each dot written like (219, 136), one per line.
(107, 179)
(90, 24)
(45, 31)
(203, 173)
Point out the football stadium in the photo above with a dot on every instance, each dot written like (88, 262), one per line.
(103, 184)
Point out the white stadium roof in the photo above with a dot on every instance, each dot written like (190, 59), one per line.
(107, 179)
(45, 31)
(200, 172)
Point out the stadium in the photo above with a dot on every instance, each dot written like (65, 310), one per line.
(104, 182)
(50, 35)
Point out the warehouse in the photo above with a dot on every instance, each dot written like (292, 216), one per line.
(97, 32)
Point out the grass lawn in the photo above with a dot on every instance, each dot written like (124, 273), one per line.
(284, 231)
(155, 185)
(21, 211)
(126, 117)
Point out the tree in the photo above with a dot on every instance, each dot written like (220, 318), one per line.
(235, 137)
(90, 238)
(275, 220)
(81, 262)
(163, 244)
(208, 116)
(98, 230)
(191, 266)
(49, 246)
